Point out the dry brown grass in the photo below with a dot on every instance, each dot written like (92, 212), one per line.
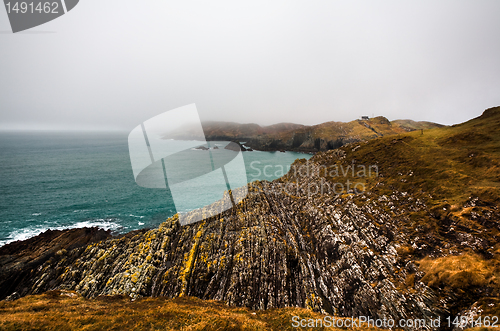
(461, 272)
(59, 310)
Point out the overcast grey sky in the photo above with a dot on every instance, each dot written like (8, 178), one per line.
(116, 63)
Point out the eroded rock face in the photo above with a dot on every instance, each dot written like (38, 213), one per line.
(20, 260)
(279, 247)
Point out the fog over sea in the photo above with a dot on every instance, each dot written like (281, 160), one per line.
(61, 180)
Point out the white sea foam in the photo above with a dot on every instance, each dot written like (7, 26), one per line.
(140, 223)
(106, 224)
(32, 231)
(23, 234)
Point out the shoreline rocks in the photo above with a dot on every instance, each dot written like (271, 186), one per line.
(272, 250)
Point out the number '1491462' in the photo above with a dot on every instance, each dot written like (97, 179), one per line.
(24, 7)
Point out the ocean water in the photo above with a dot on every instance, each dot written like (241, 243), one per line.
(60, 180)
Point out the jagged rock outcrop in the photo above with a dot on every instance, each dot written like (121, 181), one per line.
(279, 247)
(20, 260)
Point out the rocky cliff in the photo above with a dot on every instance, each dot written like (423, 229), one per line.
(370, 229)
(20, 259)
(331, 254)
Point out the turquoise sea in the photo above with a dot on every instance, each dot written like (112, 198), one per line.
(59, 180)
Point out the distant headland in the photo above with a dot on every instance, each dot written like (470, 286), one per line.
(303, 138)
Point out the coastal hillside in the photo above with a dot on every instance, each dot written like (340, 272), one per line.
(302, 138)
(402, 226)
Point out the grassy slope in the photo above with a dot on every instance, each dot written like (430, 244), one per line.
(456, 172)
(450, 163)
(56, 310)
(413, 125)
